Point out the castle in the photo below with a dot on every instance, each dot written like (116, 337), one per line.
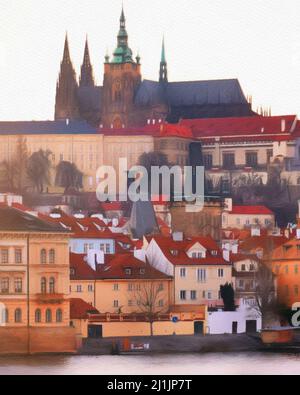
(126, 100)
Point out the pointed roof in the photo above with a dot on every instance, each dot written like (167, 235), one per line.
(123, 54)
(66, 56)
(163, 52)
(87, 75)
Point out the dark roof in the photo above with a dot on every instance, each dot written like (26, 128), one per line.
(46, 127)
(189, 93)
(15, 220)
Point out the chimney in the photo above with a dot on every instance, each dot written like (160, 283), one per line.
(283, 126)
(177, 236)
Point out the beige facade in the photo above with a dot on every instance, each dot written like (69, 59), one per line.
(33, 293)
(120, 295)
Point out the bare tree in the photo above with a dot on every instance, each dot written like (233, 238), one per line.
(147, 298)
(264, 278)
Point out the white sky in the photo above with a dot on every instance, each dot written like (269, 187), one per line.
(257, 41)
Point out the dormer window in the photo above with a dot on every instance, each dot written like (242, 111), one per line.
(174, 252)
(142, 271)
(128, 271)
(72, 271)
(214, 253)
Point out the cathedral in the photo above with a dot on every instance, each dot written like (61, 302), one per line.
(128, 100)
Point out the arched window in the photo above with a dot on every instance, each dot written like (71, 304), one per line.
(18, 316)
(59, 315)
(43, 256)
(48, 316)
(38, 316)
(43, 285)
(5, 316)
(52, 285)
(52, 256)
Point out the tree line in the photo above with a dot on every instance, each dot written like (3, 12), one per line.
(26, 172)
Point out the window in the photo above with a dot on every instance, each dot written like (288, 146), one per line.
(116, 287)
(43, 285)
(183, 295)
(102, 247)
(4, 285)
(108, 249)
(4, 256)
(243, 267)
(52, 256)
(59, 315)
(52, 285)
(5, 316)
(130, 303)
(18, 255)
(241, 284)
(160, 287)
(252, 267)
(208, 161)
(128, 271)
(209, 295)
(18, 316)
(90, 288)
(18, 285)
(251, 159)
(220, 273)
(228, 160)
(38, 316)
(48, 316)
(286, 269)
(161, 303)
(79, 288)
(193, 295)
(296, 269)
(182, 272)
(269, 155)
(130, 287)
(174, 252)
(116, 303)
(43, 256)
(201, 275)
(142, 271)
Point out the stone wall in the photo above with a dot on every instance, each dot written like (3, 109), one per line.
(38, 340)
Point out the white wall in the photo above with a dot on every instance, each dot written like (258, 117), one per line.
(220, 322)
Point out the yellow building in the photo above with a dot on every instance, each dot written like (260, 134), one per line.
(123, 284)
(196, 264)
(34, 285)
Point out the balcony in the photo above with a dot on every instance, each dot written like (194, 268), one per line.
(47, 298)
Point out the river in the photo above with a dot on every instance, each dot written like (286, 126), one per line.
(168, 364)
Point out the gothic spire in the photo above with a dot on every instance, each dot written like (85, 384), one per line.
(163, 70)
(66, 56)
(66, 105)
(87, 75)
(123, 54)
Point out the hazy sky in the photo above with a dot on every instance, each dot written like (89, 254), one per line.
(257, 41)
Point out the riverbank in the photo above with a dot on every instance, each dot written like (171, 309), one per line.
(179, 344)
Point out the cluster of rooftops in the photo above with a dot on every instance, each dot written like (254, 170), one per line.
(282, 128)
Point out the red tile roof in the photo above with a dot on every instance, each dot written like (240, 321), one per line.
(114, 268)
(79, 309)
(251, 210)
(176, 251)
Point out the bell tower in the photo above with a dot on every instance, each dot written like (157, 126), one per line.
(122, 76)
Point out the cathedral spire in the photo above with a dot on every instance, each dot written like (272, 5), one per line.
(66, 105)
(123, 54)
(66, 56)
(87, 75)
(163, 70)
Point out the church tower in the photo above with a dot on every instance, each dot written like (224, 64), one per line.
(66, 104)
(122, 76)
(163, 70)
(87, 75)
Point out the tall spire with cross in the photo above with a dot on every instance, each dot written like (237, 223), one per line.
(163, 70)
